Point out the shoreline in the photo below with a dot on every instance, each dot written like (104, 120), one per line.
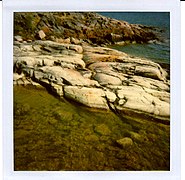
(97, 77)
(70, 27)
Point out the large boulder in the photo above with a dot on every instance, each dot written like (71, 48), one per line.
(139, 100)
(41, 34)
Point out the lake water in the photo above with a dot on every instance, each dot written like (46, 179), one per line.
(53, 134)
(158, 52)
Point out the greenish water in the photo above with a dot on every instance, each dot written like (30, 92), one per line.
(53, 134)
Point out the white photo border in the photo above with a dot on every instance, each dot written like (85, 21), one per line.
(9, 7)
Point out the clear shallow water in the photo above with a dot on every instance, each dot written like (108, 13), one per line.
(159, 52)
(53, 134)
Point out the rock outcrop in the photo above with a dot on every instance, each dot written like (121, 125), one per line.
(97, 77)
(74, 28)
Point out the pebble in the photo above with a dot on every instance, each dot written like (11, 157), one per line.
(125, 142)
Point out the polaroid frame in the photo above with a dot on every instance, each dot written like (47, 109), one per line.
(9, 7)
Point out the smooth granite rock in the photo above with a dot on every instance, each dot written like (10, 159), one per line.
(91, 97)
(96, 77)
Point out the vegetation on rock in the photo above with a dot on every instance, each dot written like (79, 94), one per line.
(88, 26)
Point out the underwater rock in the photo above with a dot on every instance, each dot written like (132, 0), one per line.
(102, 129)
(125, 142)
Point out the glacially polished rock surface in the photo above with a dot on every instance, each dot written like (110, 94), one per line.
(97, 77)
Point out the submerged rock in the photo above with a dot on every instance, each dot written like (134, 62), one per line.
(125, 142)
(92, 138)
(102, 129)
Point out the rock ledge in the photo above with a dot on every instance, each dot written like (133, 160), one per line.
(97, 77)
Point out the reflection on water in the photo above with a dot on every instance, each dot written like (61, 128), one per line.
(53, 134)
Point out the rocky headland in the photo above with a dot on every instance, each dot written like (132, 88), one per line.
(72, 27)
(63, 52)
